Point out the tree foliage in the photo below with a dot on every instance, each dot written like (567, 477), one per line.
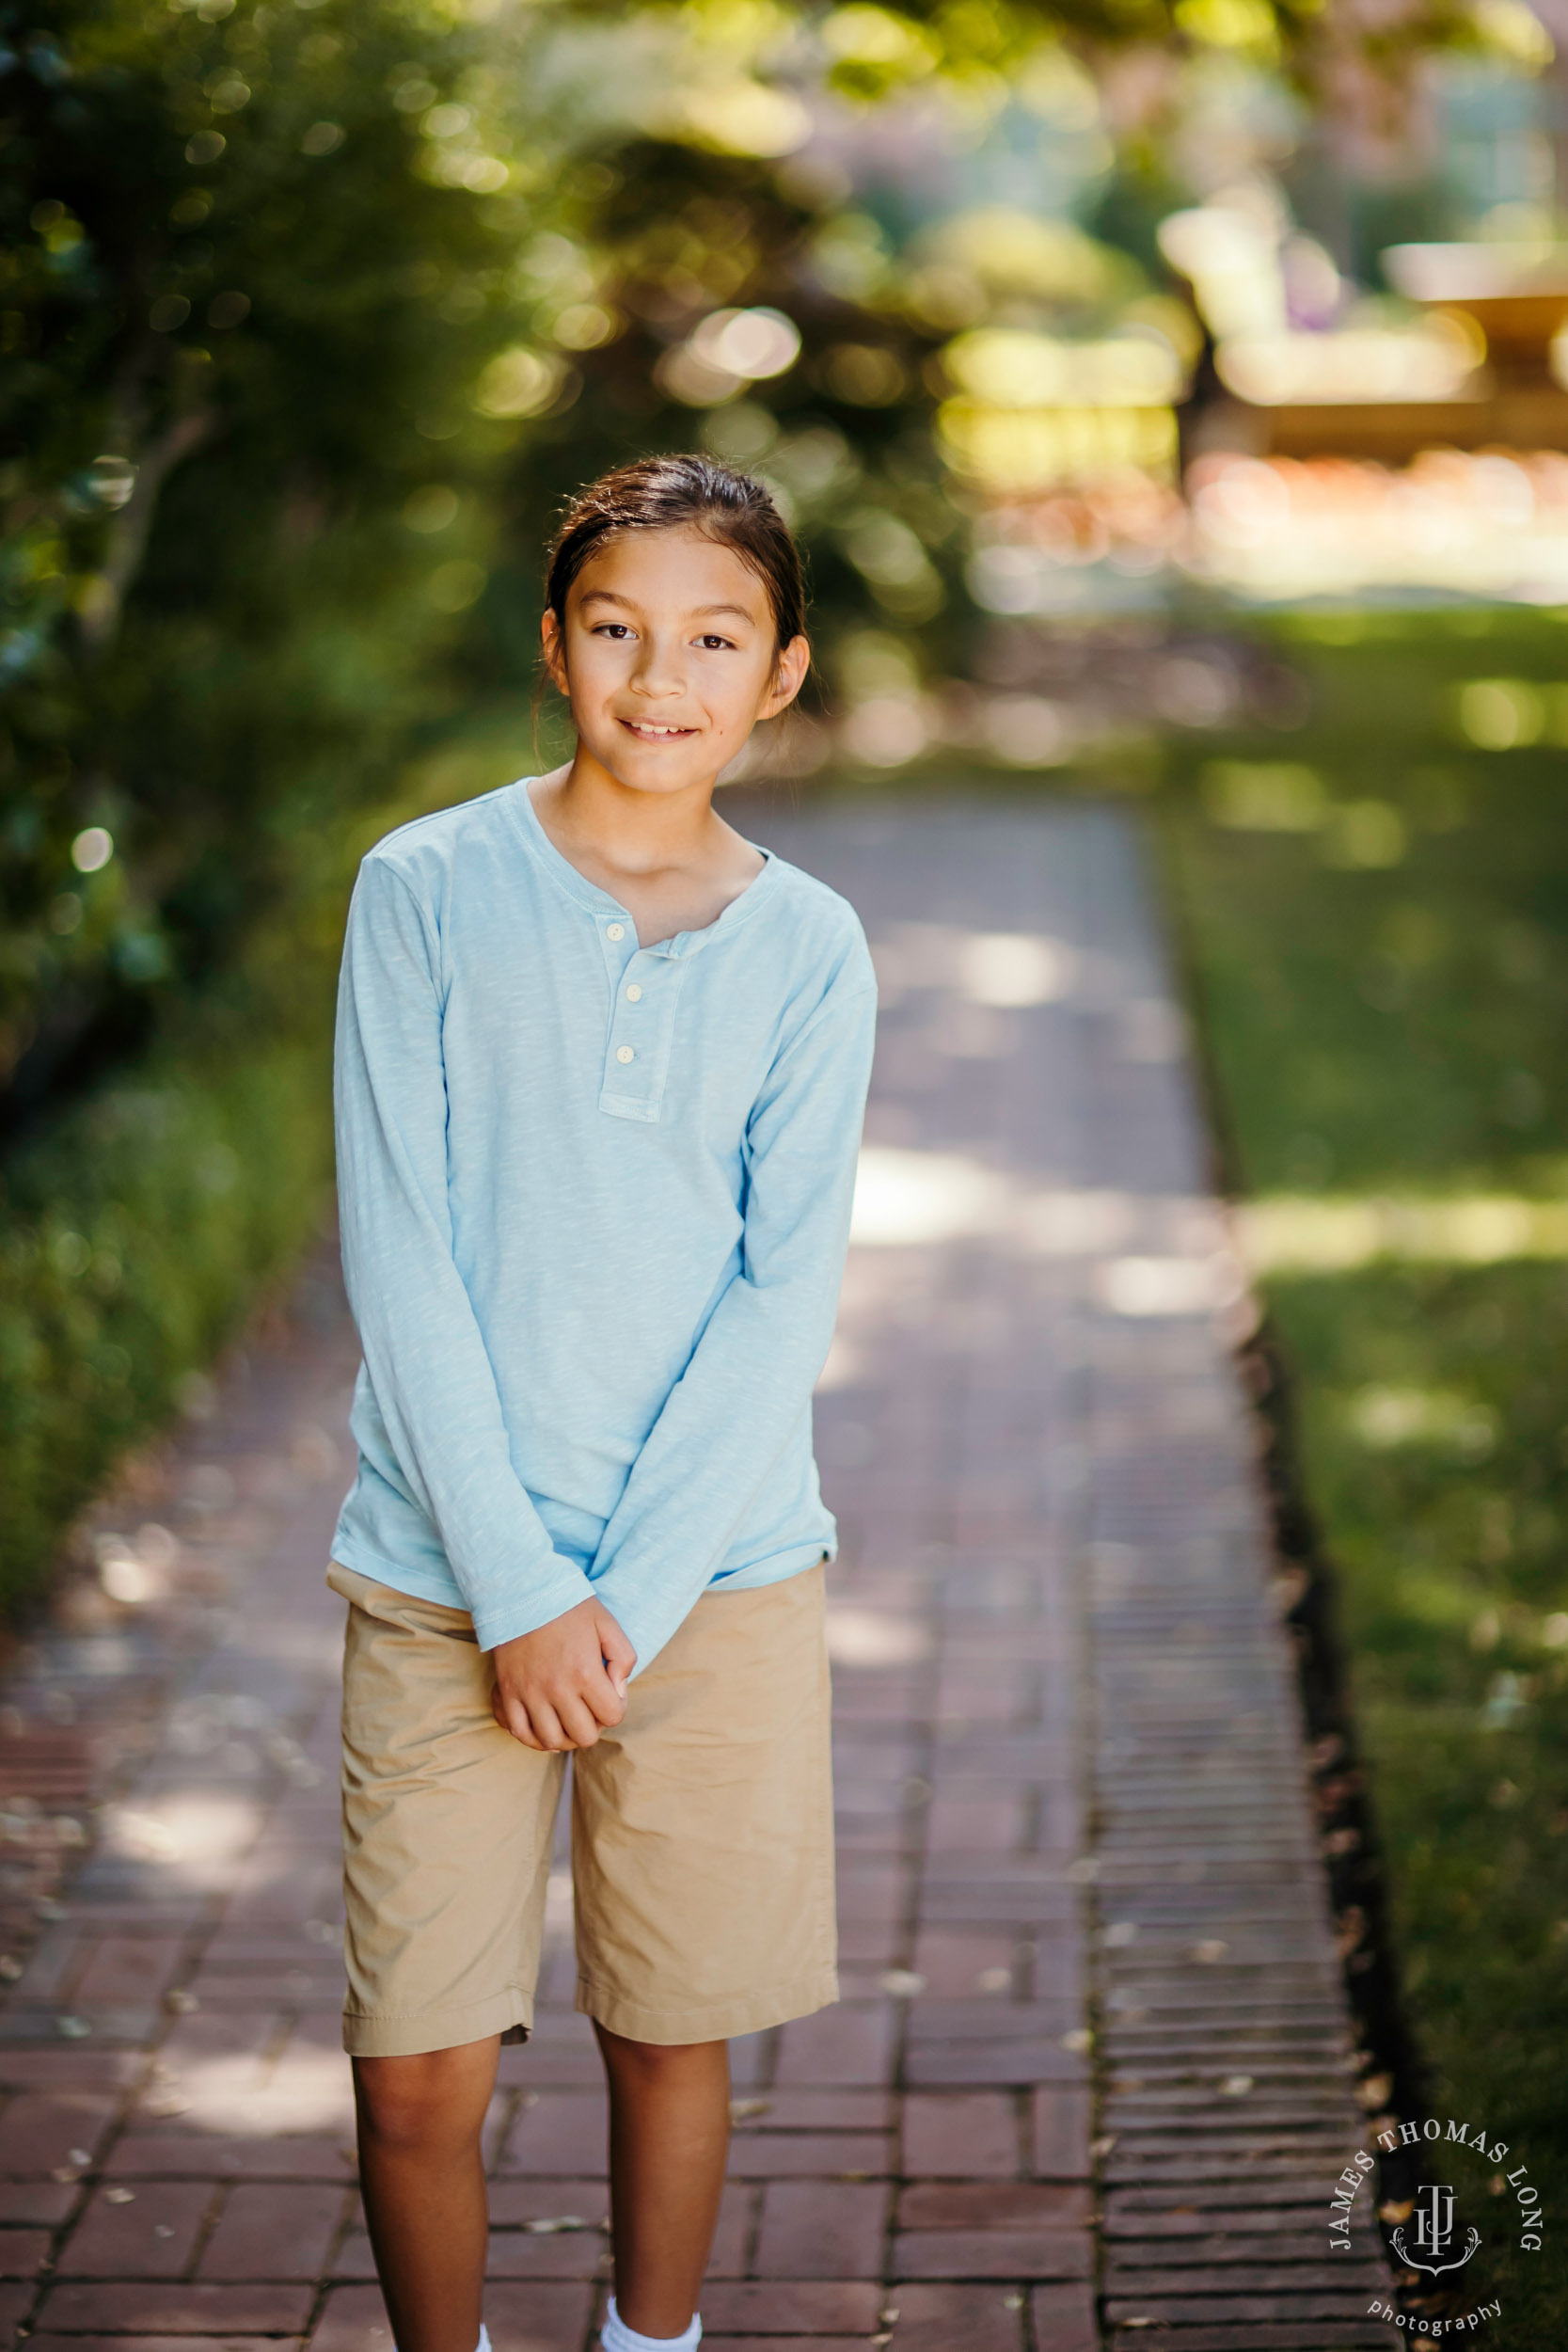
(282, 282)
(251, 267)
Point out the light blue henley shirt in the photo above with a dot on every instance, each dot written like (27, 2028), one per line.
(595, 1201)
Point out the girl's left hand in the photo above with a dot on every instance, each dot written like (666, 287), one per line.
(557, 1686)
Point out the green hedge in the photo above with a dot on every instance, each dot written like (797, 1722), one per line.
(138, 1231)
(132, 1242)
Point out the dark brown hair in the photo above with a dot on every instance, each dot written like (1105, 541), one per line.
(669, 493)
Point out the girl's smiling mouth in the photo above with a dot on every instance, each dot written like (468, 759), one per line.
(651, 732)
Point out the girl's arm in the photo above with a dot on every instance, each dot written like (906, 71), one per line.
(423, 1350)
(750, 1376)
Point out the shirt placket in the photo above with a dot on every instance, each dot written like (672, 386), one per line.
(645, 984)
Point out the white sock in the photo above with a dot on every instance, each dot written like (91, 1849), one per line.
(618, 2337)
(484, 2344)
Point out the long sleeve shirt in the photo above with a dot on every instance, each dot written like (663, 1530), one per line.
(594, 1205)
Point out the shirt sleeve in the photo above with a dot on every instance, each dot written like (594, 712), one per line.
(750, 1376)
(424, 1353)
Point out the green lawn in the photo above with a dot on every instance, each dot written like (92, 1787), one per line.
(1375, 911)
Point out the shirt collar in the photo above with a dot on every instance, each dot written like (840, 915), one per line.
(600, 903)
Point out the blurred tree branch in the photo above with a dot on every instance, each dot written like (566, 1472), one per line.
(127, 534)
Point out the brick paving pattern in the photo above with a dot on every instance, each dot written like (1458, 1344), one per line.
(1088, 2082)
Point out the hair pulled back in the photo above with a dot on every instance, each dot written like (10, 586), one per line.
(672, 493)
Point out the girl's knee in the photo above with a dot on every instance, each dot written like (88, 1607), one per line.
(417, 2102)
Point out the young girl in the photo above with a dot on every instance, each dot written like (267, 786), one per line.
(601, 1069)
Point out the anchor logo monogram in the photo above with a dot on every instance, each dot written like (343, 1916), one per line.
(1434, 2234)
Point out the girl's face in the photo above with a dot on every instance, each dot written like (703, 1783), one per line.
(668, 657)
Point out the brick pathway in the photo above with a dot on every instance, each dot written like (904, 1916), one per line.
(1070, 1792)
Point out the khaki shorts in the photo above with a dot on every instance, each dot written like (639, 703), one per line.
(702, 1829)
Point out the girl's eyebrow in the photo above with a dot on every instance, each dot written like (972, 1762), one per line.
(701, 612)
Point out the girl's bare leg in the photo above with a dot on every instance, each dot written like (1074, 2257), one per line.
(422, 2171)
(669, 2139)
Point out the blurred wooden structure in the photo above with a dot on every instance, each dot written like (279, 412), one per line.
(1517, 296)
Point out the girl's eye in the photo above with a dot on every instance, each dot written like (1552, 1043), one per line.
(612, 628)
(713, 642)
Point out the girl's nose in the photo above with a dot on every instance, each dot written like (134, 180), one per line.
(658, 669)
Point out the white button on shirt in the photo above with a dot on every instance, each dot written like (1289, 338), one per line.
(625, 1053)
(615, 930)
(634, 995)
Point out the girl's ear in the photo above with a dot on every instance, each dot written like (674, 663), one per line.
(788, 678)
(553, 647)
